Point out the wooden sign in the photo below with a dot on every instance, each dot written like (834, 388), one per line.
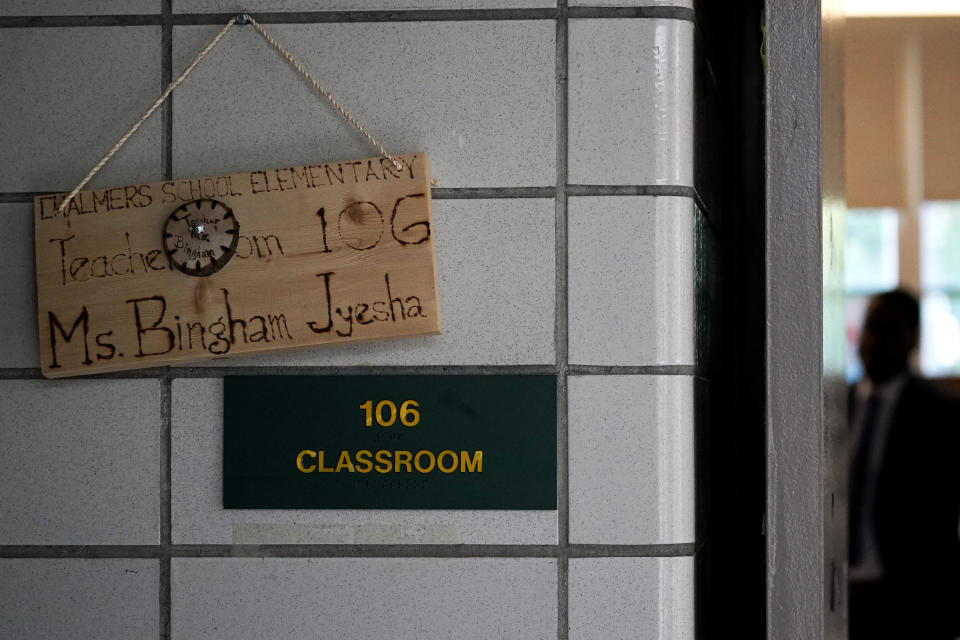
(186, 270)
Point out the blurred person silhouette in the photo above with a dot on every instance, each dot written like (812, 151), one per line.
(904, 492)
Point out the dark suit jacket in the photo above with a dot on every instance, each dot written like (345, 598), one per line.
(917, 508)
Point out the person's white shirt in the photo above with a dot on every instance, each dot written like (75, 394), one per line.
(870, 566)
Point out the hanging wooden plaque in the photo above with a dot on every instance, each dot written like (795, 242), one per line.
(186, 270)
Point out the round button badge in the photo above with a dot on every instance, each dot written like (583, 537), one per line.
(201, 236)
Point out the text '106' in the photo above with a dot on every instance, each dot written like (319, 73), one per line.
(385, 413)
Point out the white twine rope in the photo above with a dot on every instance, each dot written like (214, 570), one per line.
(243, 19)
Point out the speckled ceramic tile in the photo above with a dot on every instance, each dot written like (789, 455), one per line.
(198, 515)
(495, 270)
(18, 288)
(631, 280)
(631, 102)
(201, 6)
(79, 462)
(72, 93)
(77, 7)
(415, 598)
(416, 86)
(79, 598)
(649, 598)
(631, 459)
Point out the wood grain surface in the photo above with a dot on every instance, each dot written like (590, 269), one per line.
(327, 253)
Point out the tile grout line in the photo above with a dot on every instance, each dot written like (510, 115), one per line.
(323, 550)
(437, 193)
(561, 328)
(166, 114)
(675, 190)
(320, 370)
(633, 370)
(166, 382)
(166, 504)
(480, 193)
(321, 17)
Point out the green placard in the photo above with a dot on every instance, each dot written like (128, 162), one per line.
(390, 442)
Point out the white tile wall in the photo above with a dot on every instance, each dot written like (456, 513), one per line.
(57, 599)
(417, 86)
(200, 6)
(18, 322)
(649, 598)
(79, 462)
(631, 102)
(496, 278)
(631, 459)
(363, 598)
(631, 280)
(67, 95)
(198, 515)
(77, 7)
